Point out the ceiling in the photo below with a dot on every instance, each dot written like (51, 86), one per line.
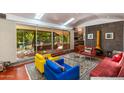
(80, 18)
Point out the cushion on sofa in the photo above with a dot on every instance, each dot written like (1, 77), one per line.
(106, 69)
(88, 49)
(114, 52)
(54, 66)
(117, 57)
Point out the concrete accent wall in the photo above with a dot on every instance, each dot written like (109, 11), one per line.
(107, 44)
(7, 41)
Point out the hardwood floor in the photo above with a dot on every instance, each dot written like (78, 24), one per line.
(15, 73)
(18, 72)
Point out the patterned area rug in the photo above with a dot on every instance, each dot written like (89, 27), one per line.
(86, 65)
(34, 74)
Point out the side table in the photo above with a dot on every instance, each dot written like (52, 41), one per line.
(108, 53)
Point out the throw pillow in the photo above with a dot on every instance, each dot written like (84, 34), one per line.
(62, 67)
(114, 52)
(88, 50)
(117, 57)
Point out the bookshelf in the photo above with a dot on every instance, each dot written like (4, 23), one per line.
(78, 37)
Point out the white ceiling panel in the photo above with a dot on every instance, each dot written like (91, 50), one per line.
(80, 18)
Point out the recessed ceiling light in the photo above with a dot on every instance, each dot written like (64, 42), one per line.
(69, 21)
(39, 15)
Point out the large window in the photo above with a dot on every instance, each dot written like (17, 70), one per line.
(31, 40)
(61, 40)
(58, 40)
(25, 43)
(44, 42)
(20, 40)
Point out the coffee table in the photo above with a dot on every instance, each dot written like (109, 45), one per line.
(75, 57)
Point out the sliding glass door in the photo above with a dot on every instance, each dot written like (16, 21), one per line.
(32, 40)
(58, 40)
(44, 42)
(61, 40)
(25, 43)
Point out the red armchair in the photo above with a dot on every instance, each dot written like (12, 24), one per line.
(91, 52)
(109, 68)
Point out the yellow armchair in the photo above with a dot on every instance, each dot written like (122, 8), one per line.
(48, 56)
(39, 62)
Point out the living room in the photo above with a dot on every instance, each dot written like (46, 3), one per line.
(91, 44)
(61, 46)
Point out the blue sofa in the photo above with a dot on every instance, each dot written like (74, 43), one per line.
(54, 72)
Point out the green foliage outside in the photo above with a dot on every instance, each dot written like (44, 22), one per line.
(27, 37)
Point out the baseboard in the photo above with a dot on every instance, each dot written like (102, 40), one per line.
(23, 61)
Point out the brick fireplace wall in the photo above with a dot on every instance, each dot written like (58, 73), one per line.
(107, 44)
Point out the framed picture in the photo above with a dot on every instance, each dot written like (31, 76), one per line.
(90, 36)
(109, 35)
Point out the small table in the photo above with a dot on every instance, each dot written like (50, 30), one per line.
(108, 53)
(75, 57)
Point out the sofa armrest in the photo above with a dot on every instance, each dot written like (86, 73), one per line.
(60, 61)
(121, 73)
(40, 62)
(54, 58)
(93, 51)
(81, 51)
(71, 74)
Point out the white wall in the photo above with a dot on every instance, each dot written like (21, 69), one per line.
(7, 41)
(72, 39)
